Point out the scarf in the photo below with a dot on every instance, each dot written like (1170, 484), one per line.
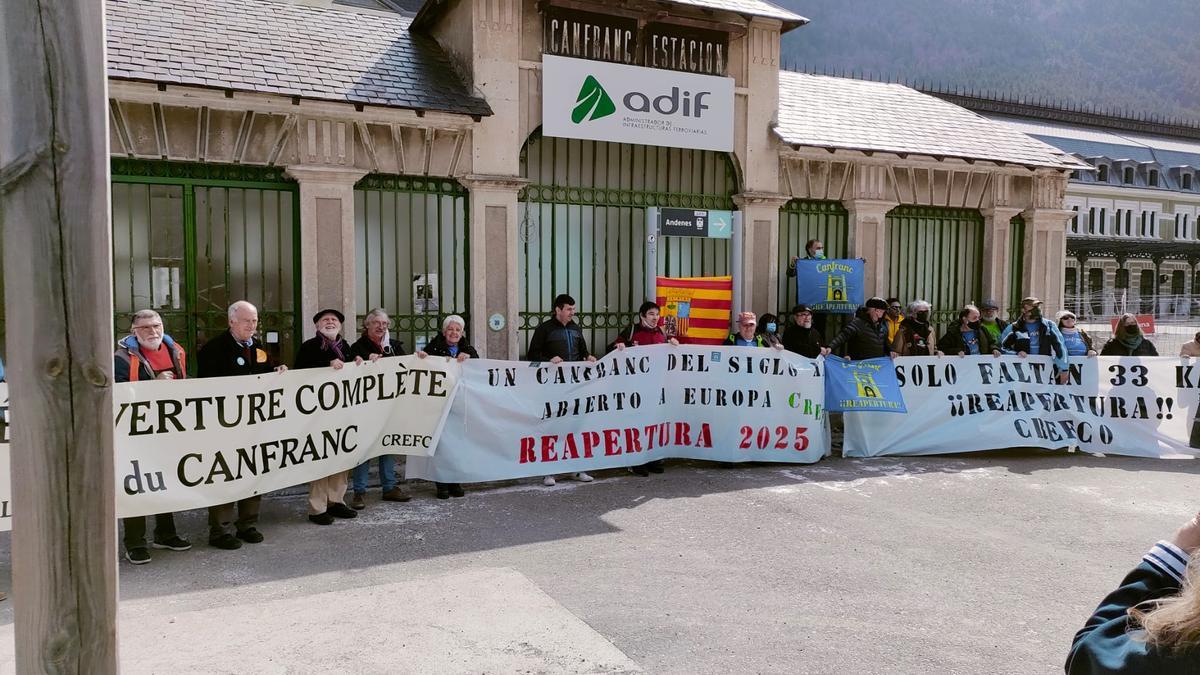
(1130, 341)
(334, 345)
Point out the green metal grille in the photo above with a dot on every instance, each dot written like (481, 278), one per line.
(935, 254)
(191, 239)
(1016, 269)
(799, 221)
(412, 252)
(583, 226)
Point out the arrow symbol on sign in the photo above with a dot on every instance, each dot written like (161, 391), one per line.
(720, 225)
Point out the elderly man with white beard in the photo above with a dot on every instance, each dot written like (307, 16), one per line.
(149, 354)
(327, 496)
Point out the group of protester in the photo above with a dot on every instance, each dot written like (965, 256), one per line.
(879, 329)
(150, 354)
(1151, 623)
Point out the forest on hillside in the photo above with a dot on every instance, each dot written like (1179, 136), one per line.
(1140, 57)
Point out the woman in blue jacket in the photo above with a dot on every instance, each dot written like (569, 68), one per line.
(1151, 623)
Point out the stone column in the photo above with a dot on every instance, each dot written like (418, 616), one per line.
(493, 248)
(998, 254)
(760, 251)
(868, 240)
(327, 265)
(1045, 255)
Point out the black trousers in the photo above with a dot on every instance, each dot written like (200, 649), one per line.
(135, 530)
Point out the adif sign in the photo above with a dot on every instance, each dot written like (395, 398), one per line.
(629, 104)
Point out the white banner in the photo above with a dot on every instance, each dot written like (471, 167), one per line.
(1143, 407)
(186, 444)
(729, 404)
(630, 104)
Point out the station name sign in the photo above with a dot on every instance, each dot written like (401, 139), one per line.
(626, 40)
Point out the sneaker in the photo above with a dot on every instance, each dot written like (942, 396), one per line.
(548, 481)
(341, 511)
(176, 543)
(640, 471)
(583, 477)
(320, 518)
(359, 501)
(137, 556)
(396, 494)
(443, 492)
(250, 535)
(225, 541)
(456, 490)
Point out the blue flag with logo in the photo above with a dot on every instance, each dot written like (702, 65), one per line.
(830, 286)
(856, 386)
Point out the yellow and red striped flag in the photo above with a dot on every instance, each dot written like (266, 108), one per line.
(696, 309)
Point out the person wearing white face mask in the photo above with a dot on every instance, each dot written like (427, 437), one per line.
(327, 496)
(813, 250)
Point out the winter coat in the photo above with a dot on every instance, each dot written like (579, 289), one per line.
(637, 334)
(1114, 347)
(130, 364)
(314, 354)
(952, 343)
(364, 347)
(222, 356)
(551, 338)
(759, 340)
(1108, 642)
(1014, 339)
(861, 339)
(803, 341)
(439, 347)
(914, 339)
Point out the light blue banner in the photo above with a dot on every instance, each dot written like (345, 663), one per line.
(830, 286)
(857, 386)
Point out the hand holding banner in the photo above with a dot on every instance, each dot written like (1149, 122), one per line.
(860, 386)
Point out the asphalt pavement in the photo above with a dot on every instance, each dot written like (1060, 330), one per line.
(984, 563)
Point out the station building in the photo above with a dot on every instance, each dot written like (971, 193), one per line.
(367, 153)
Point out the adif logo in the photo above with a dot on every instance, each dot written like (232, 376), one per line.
(594, 103)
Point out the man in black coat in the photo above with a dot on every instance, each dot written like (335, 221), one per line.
(556, 340)
(801, 337)
(865, 336)
(559, 338)
(375, 343)
(237, 351)
(327, 349)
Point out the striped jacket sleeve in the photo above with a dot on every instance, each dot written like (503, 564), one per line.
(1105, 643)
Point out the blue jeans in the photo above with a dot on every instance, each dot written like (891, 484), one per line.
(387, 473)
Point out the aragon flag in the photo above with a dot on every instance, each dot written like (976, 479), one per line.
(696, 310)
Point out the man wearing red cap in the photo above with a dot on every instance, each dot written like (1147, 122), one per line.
(327, 349)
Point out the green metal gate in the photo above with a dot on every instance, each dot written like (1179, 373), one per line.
(799, 221)
(583, 226)
(1016, 268)
(410, 239)
(191, 239)
(935, 254)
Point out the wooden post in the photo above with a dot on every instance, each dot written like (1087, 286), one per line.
(54, 210)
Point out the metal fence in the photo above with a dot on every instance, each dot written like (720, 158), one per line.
(935, 254)
(191, 239)
(582, 227)
(1176, 316)
(411, 252)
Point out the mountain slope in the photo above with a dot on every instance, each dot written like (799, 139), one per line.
(1141, 57)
